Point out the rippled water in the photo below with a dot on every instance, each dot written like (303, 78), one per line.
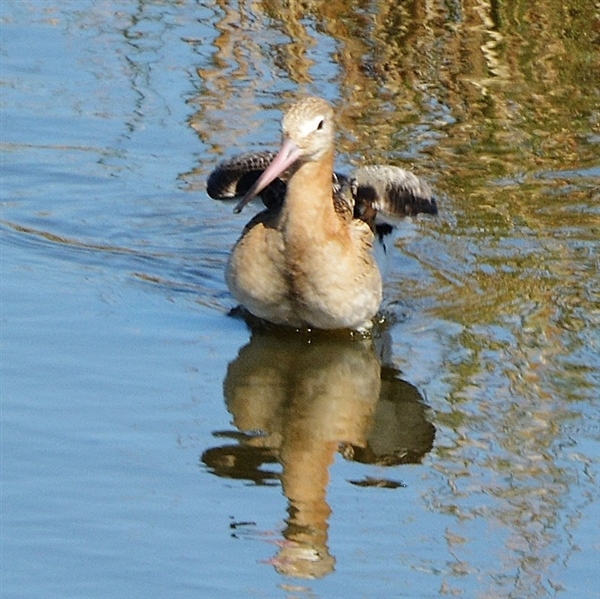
(153, 447)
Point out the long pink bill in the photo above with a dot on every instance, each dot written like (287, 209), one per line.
(287, 155)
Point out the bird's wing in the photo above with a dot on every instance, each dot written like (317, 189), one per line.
(232, 178)
(391, 192)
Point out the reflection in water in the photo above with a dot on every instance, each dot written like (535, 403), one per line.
(304, 399)
(469, 91)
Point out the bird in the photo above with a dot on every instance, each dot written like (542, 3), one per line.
(306, 261)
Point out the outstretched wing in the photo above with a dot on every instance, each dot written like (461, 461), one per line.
(234, 177)
(391, 192)
(385, 191)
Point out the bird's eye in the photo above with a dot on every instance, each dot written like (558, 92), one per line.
(321, 124)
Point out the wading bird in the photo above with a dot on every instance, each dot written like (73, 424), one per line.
(306, 261)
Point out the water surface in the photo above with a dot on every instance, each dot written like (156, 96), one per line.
(153, 446)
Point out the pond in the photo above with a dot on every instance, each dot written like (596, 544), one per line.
(155, 445)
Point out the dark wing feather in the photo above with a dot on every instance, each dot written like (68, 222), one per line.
(392, 192)
(234, 177)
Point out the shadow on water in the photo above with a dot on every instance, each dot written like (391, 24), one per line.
(296, 401)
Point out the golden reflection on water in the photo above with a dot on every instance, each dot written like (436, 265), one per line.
(476, 76)
(310, 398)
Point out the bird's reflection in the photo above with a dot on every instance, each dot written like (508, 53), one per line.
(296, 401)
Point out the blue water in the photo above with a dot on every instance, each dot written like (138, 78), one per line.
(126, 386)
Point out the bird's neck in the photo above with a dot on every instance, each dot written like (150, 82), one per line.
(309, 197)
